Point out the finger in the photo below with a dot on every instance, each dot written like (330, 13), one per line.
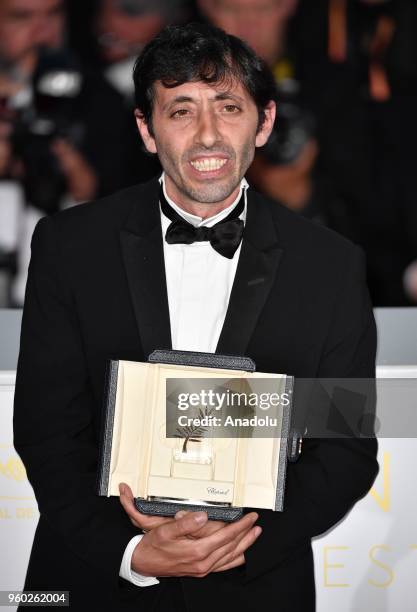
(124, 489)
(180, 514)
(241, 547)
(228, 534)
(127, 500)
(228, 554)
(209, 528)
(225, 554)
(182, 527)
(143, 521)
(240, 560)
(149, 522)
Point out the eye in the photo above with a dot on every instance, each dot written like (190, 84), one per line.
(181, 112)
(231, 108)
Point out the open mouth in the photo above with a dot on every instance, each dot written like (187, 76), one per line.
(208, 164)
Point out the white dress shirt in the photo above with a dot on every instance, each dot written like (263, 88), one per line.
(199, 282)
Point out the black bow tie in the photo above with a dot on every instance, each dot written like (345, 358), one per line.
(224, 236)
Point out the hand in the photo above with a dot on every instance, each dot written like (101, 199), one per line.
(147, 522)
(168, 550)
(212, 527)
(209, 528)
(81, 178)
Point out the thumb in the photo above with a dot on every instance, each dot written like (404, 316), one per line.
(180, 514)
(191, 522)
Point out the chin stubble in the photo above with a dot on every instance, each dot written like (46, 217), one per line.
(212, 193)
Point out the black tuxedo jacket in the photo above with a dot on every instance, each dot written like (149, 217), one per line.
(96, 290)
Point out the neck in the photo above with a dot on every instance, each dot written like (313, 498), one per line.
(199, 209)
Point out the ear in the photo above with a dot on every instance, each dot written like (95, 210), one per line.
(266, 128)
(144, 132)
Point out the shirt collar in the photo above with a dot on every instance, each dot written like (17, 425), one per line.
(210, 221)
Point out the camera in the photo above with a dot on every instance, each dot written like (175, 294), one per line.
(52, 114)
(293, 128)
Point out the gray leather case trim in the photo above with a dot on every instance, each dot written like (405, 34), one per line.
(285, 431)
(107, 427)
(207, 360)
(215, 513)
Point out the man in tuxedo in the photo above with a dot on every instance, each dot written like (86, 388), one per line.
(194, 261)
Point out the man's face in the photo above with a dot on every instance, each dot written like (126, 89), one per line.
(121, 34)
(26, 25)
(205, 137)
(258, 22)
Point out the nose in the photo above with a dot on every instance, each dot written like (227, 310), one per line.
(207, 133)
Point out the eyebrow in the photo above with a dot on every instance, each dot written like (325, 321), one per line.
(177, 100)
(225, 95)
(228, 95)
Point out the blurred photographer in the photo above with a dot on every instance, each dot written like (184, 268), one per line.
(31, 33)
(283, 169)
(24, 26)
(358, 62)
(57, 145)
(342, 149)
(121, 29)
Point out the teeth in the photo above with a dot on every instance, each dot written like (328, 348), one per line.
(209, 164)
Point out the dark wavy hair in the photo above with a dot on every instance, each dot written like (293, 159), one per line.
(200, 52)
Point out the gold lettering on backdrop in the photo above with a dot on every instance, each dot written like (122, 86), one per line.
(384, 501)
(382, 566)
(14, 469)
(328, 565)
(25, 513)
(4, 513)
(17, 497)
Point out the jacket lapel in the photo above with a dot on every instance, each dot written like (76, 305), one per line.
(255, 275)
(143, 257)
